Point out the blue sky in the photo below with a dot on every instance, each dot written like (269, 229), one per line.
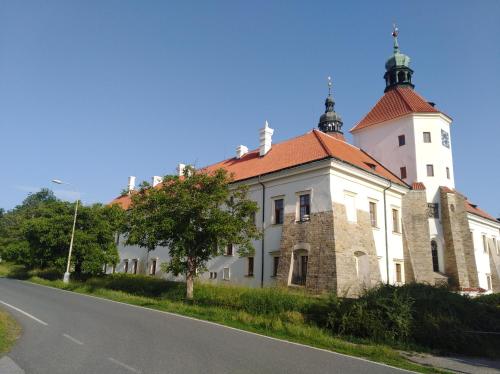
(94, 91)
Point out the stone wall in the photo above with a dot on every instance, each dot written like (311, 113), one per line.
(416, 238)
(352, 238)
(316, 237)
(494, 266)
(331, 243)
(459, 259)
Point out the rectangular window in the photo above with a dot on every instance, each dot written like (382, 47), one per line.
(401, 140)
(250, 267)
(447, 172)
(350, 206)
(276, 262)
(225, 274)
(125, 270)
(278, 211)
(304, 207)
(373, 214)
(395, 221)
(153, 267)
(485, 244)
(229, 250)
(430, 170)
(427, 137)
(399, 272)
(213, 275)
(488, 281)
(403, 172)
(134, 268)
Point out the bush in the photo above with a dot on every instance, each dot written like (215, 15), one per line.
(491, 299)
(431, 317)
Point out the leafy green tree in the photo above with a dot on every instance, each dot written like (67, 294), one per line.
(37, 234)
(195, 216)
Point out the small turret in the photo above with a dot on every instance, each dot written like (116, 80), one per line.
(397, 67)
(330, 121)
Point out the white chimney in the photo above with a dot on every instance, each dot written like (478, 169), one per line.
(241, 151)
(131, 183)
(157, 180)
(265, 137)
(180, 169)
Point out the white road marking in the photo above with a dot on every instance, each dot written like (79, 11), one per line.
(72, 339)
(223, 326)
(133, 370)
(23, 312)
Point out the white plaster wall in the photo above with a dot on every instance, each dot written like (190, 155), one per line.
(480, 226)
(381, 142)
(313, 179)
(367, 190)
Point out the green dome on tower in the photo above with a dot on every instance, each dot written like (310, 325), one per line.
(397, 66)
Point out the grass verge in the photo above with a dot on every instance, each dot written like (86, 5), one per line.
(280, 323)
(9, 332)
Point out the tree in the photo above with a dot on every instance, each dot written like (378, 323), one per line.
(37, 234)
(196, 216)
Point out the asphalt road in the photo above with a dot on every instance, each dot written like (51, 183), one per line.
(71, 333)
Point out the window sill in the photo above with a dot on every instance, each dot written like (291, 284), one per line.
(249, 276)
(396, 232)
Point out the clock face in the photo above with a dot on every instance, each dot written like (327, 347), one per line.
(445, 138)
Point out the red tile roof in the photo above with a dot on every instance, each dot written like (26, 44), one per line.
(395, 103)
(418, 186)
(312, 146)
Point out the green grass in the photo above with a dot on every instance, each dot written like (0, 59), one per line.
(9, 332)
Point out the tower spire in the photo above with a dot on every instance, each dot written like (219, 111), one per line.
(330, 121)
(397, 67)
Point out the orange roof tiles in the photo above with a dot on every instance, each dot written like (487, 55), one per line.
(395, 103)
(418, 186)
(312, 146)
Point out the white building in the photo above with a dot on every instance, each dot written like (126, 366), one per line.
(339, 217)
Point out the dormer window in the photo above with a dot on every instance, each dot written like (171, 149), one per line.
(370, 165)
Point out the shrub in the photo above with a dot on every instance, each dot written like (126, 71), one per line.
(491, 299)
(431, 317)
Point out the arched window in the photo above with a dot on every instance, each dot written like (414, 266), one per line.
(435, 259)
(401, 77)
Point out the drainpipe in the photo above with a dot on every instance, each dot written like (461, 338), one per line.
(385, 227)
(263, 232)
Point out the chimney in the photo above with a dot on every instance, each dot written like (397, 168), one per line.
(241, 151)
(265, 135)
(180, 169)
(157, 180)
(131, 183)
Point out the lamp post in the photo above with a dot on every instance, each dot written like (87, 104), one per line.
(66, 274)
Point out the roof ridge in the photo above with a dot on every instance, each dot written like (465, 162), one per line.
(405, 101)
(321, 142)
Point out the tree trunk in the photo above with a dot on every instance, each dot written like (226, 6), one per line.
(189, 286)
(191, 271)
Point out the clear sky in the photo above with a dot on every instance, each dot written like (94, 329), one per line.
(94, 91)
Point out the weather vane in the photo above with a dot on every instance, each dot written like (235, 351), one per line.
(395, 30)
(329, 86)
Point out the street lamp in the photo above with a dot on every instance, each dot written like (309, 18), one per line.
(66, 274)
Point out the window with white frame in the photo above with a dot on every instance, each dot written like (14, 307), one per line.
(279, 211)
(350, 206)
(225, 273)
(488, 281)
(153, 267)
(485, 244)
(396, 227)
(399, 276)
(373, 213)
(304, 206)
